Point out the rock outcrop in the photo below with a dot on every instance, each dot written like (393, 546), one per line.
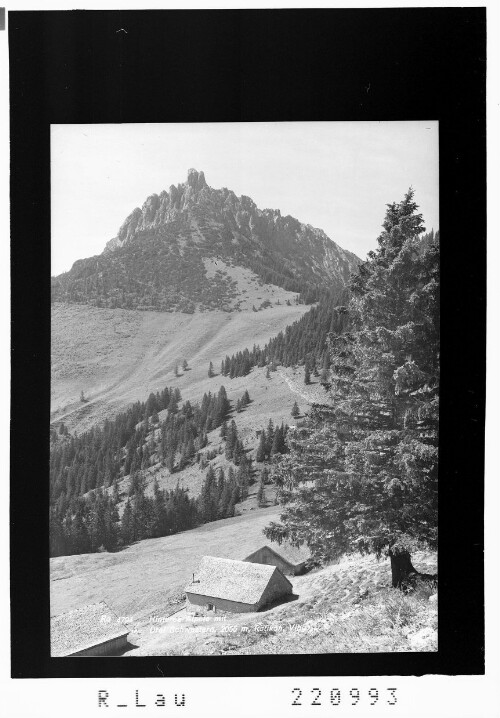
(174, 230)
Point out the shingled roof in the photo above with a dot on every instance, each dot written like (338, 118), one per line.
(233, 580)
(84, 627)
(290, 553)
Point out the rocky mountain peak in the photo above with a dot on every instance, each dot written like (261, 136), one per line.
(158, 258)
(196, 179)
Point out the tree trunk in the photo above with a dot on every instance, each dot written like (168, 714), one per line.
(402, 569)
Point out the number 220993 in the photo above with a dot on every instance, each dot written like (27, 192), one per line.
(344, 696)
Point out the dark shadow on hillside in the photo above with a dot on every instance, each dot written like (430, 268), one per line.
(279, 602)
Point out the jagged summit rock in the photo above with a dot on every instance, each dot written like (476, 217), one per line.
(196, 179)
(158, 258)
(160, 209)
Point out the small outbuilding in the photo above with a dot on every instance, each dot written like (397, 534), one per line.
(236, 586)
(93, 630)
(288, 558)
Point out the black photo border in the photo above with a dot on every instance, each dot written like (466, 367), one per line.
(249, 66)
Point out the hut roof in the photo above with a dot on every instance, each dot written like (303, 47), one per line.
(233, 580)
(290, 553)
(287, 551)
(84, 627)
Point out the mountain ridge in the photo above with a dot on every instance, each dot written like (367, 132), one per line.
(157, 259)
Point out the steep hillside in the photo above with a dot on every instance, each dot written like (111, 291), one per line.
(346, 607)
(158, 260)
(271, 399)
(119, 356)
(150, 575)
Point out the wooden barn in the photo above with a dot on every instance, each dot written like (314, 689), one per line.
(93, 630)
(289, 559)
(236, 586)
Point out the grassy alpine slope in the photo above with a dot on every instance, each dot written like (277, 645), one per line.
(119, 356)
(149, 575)
(347, 607)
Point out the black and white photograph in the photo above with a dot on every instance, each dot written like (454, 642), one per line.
(248, 362)
(244, 388)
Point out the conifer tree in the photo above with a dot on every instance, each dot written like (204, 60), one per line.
(242, 479)
(261, 449)
(97, 525)
(325, 369)
(189, 450)
(279, 446)
(295, 410)
(159, 512)
(222, 406)
(226, 506)
(307, 374)
(116, 492)
(111, 531)
(362, 474)
(78, 528)
(170, 462)
(261, 495)
(238, 452)
(173, 405)
(208, 500)
(269, 437)
(58, 537)
(232, 437)
(264, 475)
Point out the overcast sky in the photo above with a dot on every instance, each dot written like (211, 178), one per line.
(337, 176)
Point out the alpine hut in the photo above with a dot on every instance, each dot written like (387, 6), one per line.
(288, 558)
(93, 630)
(236, 586)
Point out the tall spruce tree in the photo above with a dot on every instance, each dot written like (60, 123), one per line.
(362, 474)
(307, 374)
(261, 495)
(262, 448)
(279, 446)
(269, 437)
(231, 439)
(208, 499)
